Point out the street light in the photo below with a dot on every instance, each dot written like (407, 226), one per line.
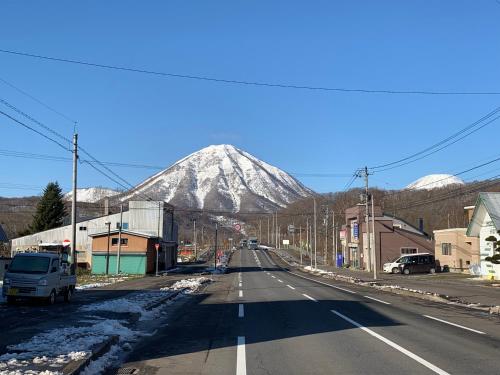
(108, 223)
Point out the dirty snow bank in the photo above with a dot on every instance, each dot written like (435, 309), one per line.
(190, 285)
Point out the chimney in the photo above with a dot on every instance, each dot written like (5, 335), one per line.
(421, 224)
(106, 206)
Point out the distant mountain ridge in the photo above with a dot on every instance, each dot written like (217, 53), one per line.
(222, 177)
(434, 181)
(91, 194)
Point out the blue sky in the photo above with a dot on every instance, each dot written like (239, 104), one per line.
(133, 118)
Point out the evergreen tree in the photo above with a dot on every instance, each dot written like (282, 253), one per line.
(50, 210)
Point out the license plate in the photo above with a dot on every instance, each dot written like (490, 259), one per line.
(12, 291)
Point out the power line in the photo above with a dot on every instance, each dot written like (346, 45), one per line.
(443, 143)
(38, 101)
(247, 83)
(34, 130)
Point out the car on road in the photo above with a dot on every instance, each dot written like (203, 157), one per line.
(38, 276)
(412, 263)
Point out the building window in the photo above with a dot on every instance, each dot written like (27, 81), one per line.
(124, 225)
(446, 248)
(114, 241)
(408, 250)
(82, 228)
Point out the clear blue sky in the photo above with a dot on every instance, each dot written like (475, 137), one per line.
(132, 118)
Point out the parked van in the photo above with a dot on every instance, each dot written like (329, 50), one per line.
(412, 263)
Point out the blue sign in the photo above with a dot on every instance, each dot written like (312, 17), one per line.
(356, 230)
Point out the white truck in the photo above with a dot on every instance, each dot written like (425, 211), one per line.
(40, 275)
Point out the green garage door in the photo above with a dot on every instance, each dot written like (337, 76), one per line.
(132, 264)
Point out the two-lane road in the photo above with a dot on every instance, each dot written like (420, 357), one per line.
(261, 319)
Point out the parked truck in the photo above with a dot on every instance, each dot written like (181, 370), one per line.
(39, 275)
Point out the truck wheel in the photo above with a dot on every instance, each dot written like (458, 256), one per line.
(11, 300)
(52, 298)
(68, 294)
(406, 271)
(432, 270)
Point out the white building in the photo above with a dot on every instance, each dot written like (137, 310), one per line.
(485, 222)
(146, 217)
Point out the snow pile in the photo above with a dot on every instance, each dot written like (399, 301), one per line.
(91, 195)
(91, 286)
(55, 348)
(434, 181)
(190, 285)
(222, 177)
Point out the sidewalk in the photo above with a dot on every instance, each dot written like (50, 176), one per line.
(462, 287)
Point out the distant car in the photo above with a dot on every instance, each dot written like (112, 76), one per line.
(413, 263)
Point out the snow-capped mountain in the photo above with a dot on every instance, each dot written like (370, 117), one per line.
(222, 177)
(92, 194)
(434, 181)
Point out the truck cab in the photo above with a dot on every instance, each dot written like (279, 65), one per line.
(40, 275)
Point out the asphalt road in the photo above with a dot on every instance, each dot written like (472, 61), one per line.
(261, 319)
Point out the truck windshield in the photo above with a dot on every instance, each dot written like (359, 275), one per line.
(24, 264)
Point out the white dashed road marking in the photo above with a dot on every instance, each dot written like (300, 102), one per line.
(378, 300)
(312, 299)
(241, 311)
(241, 361)
(455, 325)
(291, 287)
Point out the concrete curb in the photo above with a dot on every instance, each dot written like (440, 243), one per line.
(74, 368)
(429, 296)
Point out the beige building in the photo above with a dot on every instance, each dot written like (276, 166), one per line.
(457, 251)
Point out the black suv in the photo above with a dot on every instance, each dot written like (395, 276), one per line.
(417, 264)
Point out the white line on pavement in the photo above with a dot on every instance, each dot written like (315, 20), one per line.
(320, 282)
(241, 311)
(280, 280)
(312, 299)
(239, 285)
(273, 276)
(241, 361)
(406, 352)
(240, 294)
(291, 287)
(455, 325)
(378, 300)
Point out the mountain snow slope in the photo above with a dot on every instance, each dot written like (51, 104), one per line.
(434, 181)
(92, 194)
(221, 177)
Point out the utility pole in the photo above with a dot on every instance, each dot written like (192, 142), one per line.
(277, 232)
(300, 243)
(158, 235)
(307, 236)
(260, 230)
(108, 223)
(325, 255)
(315, 237)
(268, 230)
(194, 241)
(215, 248)
(73, 255)
(119, 240)
(374, 247)
(367, 218)
(334, 239)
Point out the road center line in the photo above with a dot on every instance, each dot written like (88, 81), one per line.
(280, 280)
(240, 285)
(291, 287)
(241, 311)
(273, 276)
(312, 299)
(378, 300)
(406, 352)
(455, 325)
(241, 361)
(240, 294)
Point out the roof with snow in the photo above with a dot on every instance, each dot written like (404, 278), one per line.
(486, 203)
(3, 235)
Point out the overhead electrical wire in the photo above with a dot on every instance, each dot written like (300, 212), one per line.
(244, 82)
(452, 139)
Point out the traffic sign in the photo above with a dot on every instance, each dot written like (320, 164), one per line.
(237, 227)
(66, 243)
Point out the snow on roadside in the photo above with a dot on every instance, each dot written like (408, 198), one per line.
(90, 286)
(191, 285)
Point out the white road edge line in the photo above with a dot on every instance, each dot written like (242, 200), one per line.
(240, 294)
(241, 311)
(406, 352)
(320, 282)
(312, 299)
(455, 325)
(378, 300)
(241, 361)
(291, 287)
